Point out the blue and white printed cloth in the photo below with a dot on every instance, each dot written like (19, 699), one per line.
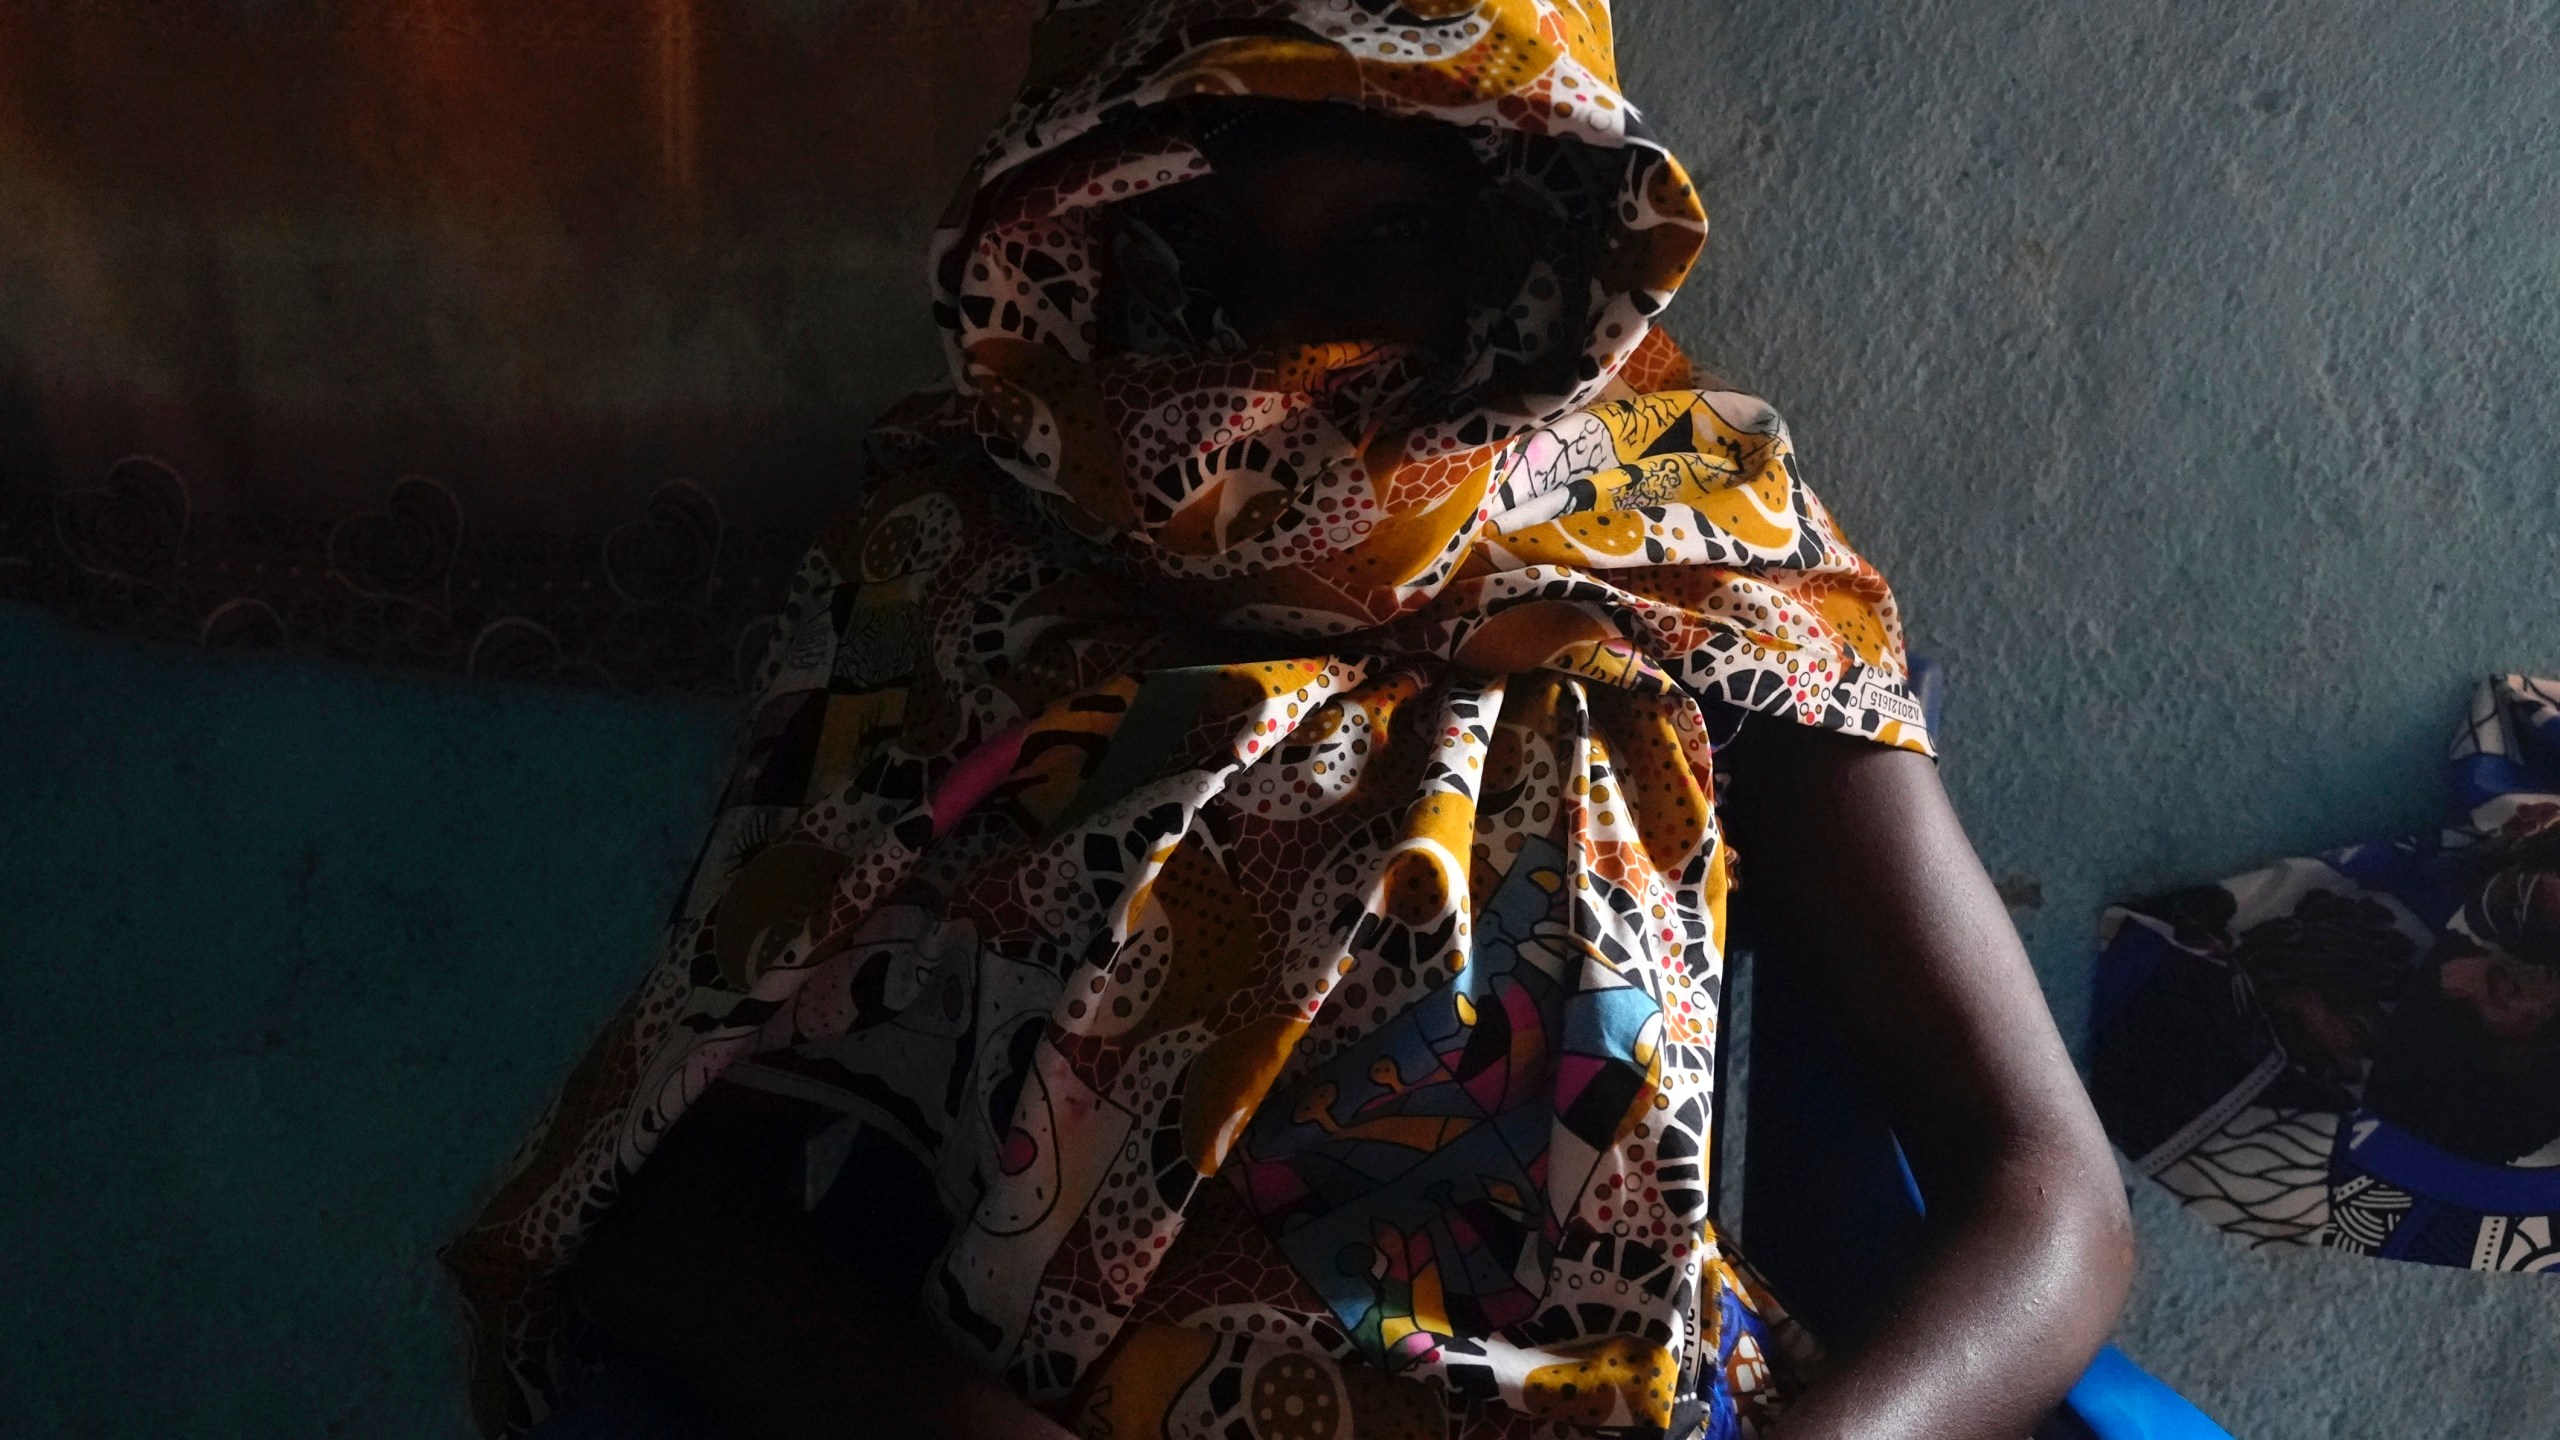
(2360, 1049)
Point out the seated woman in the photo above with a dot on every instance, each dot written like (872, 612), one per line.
(1217, 927)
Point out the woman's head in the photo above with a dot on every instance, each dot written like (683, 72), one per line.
(1257, 289)
(1315, 223)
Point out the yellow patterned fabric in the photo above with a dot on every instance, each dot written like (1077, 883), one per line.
(1242, 821)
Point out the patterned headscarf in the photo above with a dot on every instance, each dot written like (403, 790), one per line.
(1243, 820)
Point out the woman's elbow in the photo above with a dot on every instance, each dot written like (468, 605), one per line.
(2080, 1207)
(2104, 1229)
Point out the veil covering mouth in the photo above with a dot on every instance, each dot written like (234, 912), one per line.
(1236, 823)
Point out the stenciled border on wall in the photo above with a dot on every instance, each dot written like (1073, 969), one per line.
(670, 600)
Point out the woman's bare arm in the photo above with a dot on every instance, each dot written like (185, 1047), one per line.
(707, 1266)
(1852, 855)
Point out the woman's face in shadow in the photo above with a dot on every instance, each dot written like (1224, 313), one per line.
(2505, 954)
(2515, 1000)
(1356, 233)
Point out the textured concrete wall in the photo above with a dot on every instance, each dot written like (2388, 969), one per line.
(2190, 370)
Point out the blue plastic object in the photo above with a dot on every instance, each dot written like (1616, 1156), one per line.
(2119, 1400)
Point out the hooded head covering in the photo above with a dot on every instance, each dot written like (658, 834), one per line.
(1297, 489)
(1240, 820)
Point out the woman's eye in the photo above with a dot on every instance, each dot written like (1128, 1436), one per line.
(1399, 229)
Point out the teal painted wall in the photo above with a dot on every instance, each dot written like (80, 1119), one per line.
(291, 954)
(2190, 369)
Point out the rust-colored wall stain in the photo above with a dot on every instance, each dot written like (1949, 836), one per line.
(677, 105)
(551, 253)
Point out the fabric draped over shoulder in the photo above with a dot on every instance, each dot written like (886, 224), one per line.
(1244, 820)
